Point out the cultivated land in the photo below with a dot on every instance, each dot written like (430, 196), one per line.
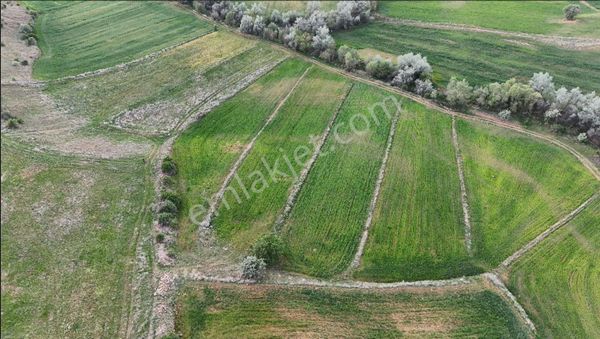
(272, 167)
(557, 282)
(517, 187)
(208, 149)
(324, 226)
(75, 38)
(69, 232)
(262, 311)
(479, 57)
(417, 231)
(543, 17)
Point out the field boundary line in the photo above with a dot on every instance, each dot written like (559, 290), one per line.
(513, 302)
(576, 43)
(533, 243)
(375, 198)
(463, 189)
(218, 197)
(309, 165)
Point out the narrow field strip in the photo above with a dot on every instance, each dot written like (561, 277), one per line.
(309, 165)
(417, 230)
(463, 189)
(517, 187)
(323, 229)
(557, 281)
(259, 189)
(206, 151)
(380, 176)
(219, 195)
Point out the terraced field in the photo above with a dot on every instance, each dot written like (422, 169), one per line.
(517, 188)
(545, 17)
(417, 231)
(69, 229)
(206, 311)
(479, 57)
(324, 226)
(252, 203)
(207, 150)
(557, 282)
(75, 38)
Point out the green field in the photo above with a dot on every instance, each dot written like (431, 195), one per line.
(417, 231)
(324, 226)
(69, 233)
(153, 96)
(479, 57)
(225, 311)
(90, 35)
(208, 149)
(242, 219)
(557, 282)
(545, 17)
(517, 187)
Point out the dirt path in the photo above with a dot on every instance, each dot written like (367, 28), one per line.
(559, 41)
(463, 188)
(365, 234)
(214, 204)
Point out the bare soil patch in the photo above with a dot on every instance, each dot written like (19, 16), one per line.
(14, 50)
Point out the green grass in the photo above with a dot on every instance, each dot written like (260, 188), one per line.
(242, 219)
(417, 231)
(92, 35)
(208, 149)
(324, 227)
(545, 17)
(517, 187)
(557, 282)
(479, 57)
(68, 242)
(225, 311)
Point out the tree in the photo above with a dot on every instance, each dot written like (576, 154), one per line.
(543, 84)
(571, 11)
(424, 88)
(276, 17)
(253, 268)
(380, 68)
(459, 93)
(323, 41)
(269, 248)
(247, 24)
(504, 114)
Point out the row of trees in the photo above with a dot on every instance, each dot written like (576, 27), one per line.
(307, 32)
(538, 98)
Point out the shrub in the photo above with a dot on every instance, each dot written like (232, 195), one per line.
(571, 11)
(12, 123)
(410, 68)
(253, 268)
(24, 63)
(459, 93)
(247, 24)
(160, 238)
(504, 114)
(167, 207)
(582, 137)
(167, 219)
(172, 197)
(424, 88)
(168, 166)
(168, 181)
(349, 57)
(269, 248)
(31, 41)
(380, 68)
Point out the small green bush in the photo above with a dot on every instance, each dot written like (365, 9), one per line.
(167, 219)
(168, 181)
(172, 197)
(269, 248)
(168, 166)
(167, 207)
(160, 238)
(31, 41)
(13, 123)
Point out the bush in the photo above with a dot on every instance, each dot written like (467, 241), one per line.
(168, 181)
(424, 88)
(160, 238)
(380, 68)
(24, 63)
(504, 114)
(12, 123)
(269, 248)
(571, 11)
(168, 166)
(459, 93)
(172, 197)
(253, 268)
(167, 207)
(167, 219)
(582, 137)
(31, 41)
